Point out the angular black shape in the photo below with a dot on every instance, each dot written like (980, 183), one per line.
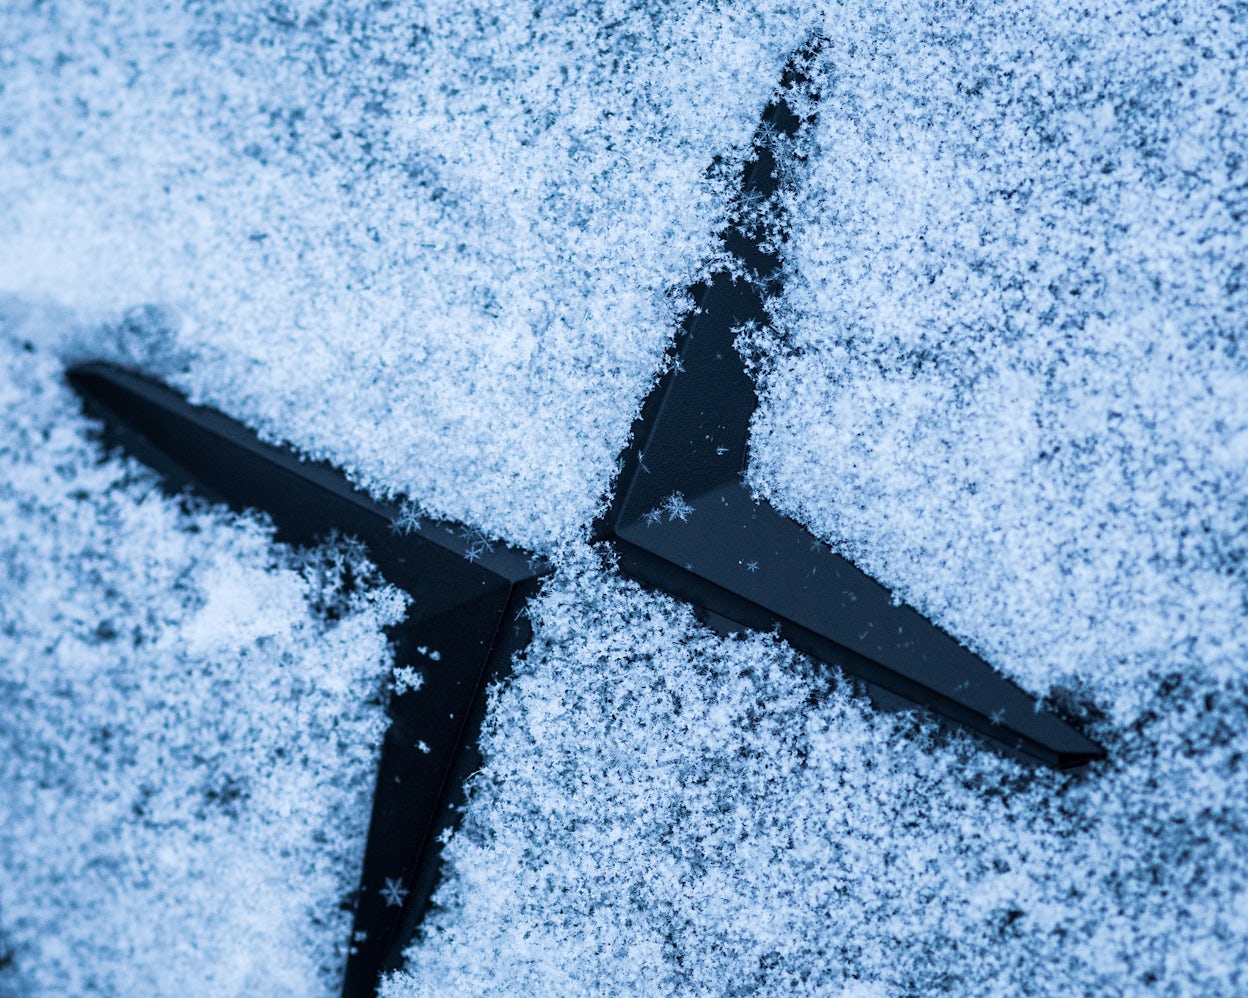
(462, 628)
(682, 520)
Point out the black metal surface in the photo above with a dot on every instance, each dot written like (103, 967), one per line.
(684, 504)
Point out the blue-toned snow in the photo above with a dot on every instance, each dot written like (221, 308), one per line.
(189, 728)
(445, 246)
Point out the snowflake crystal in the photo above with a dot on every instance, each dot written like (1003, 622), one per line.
(677, 508)
(394, 892)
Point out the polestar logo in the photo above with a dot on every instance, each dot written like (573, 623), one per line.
(681, 521)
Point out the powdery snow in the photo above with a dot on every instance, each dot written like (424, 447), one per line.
(668, 812)
(445, 246)
(1013, 382)
(1006, 378)
(442, 245)
(190, 727)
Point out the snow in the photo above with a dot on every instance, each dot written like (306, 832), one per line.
(668, 811)
(445, 246)
(190, 730)
(1015, 311)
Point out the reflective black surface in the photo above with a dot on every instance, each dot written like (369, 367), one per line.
(683, 521)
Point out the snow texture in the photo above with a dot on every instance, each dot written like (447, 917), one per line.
(445, 246)
(669, 812)
(190, 726)
(1007, 377)
(1013, 383)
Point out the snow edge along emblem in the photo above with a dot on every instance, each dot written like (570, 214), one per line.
(681, 521)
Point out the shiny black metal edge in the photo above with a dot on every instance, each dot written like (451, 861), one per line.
(680, 427)
(142, 414)
(722, 608)
(513, 636)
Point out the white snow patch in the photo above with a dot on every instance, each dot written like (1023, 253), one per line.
(187, 746)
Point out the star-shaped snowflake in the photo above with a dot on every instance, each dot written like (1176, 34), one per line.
(408, 521)
(394, 892)
(677, 508)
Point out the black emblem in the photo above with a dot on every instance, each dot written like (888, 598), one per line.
(681, 521)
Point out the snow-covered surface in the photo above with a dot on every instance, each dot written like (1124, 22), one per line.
(668, 812)
(1015, 328)
(445, 246)
(189, 727)
(442, 245)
